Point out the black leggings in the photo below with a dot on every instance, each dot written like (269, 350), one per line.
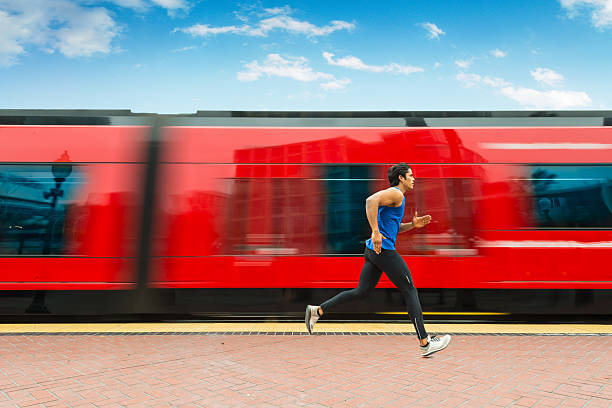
(396, 269)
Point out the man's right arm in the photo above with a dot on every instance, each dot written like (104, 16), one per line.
(372, 212)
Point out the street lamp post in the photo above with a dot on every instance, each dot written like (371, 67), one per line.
(61, 170)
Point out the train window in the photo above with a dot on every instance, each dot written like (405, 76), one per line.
(571, 196)
(323, 212)
(451, 232)
(346, 224)
(34, 200)
(319, 212)
(274, 215)
(447, 200)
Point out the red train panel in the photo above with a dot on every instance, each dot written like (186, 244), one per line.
(387, 145)
(283, 207)
(71, 198)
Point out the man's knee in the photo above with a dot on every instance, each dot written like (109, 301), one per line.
(361, 292)
(409, 290)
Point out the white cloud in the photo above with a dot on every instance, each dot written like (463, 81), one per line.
(437, 65)
(352, 62)
(172, 4)
(13, 35)
(280, 21)
(336, 84)
(601, 10)
(463, 63)
(434, 31)
(296, 68)
(133, 4)
(92, 33)
(301, 27)
(497, 53)
(182, 49)
(531, 98)
(468, 80)
(54, 25)
(279, 10)
(203, 30)
(495, 82)
(142, 5)
(547, 76)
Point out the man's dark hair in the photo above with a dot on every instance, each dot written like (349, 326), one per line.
(394, 172)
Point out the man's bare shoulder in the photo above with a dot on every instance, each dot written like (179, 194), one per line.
(394, 192)
(389, 197)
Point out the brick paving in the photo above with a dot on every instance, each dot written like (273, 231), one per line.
(296, 370)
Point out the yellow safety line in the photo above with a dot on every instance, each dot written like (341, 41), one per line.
(403, 327)
(451, 313)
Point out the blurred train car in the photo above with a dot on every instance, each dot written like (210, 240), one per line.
(108, 212)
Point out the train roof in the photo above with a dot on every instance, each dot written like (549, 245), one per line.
(522, 118)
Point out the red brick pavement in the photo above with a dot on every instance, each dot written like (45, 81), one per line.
(313, 371)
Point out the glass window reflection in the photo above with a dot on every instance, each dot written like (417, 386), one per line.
(572, 196)
(322, 212)
(34, 201)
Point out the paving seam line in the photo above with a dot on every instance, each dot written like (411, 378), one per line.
(287, 333)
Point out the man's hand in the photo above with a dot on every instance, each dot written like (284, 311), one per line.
(420, 222)
(377, 238)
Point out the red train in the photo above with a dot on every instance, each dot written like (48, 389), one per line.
(263, 211)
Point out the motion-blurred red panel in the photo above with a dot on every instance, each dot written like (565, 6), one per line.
(387, 145)
(71, 199)
(250, 207)
(309, 145)
(110, 144)
(61, 273)
(536, 145)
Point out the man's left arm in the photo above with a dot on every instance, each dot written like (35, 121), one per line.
(405, 226)
(417, 222)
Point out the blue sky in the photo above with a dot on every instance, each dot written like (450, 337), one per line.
(179, 56)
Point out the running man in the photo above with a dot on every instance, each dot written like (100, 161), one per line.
(385, 210)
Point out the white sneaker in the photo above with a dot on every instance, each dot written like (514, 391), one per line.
(435, 344)
(312, 316)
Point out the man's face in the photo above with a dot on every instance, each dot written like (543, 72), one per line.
(408, 179)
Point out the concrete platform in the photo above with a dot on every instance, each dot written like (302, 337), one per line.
(192, 367)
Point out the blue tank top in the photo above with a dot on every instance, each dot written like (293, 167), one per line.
(389, 220)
